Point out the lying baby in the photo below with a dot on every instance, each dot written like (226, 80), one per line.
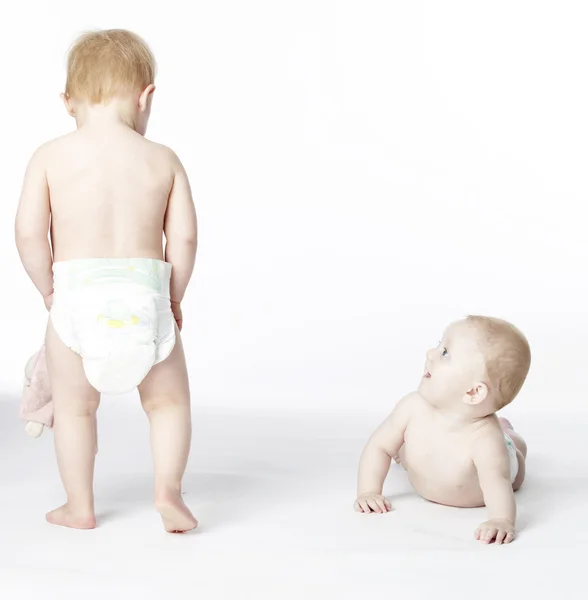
(447, 436)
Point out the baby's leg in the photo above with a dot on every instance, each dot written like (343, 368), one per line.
(165, 396)
(75, 404)
(521, 445)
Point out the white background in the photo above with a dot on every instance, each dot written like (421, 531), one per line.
(364, 172)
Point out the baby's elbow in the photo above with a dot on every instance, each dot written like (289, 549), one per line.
(28, 238)
(384, 450)
(181, 236)
(190, 239)
(22, 236)
(185, 244)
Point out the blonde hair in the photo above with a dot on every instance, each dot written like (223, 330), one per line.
(107, 63)
(508, 357)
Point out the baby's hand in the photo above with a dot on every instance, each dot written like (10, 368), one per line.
(499, 530)
(367, 503)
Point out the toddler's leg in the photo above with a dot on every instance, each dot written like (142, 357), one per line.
(75, 403)
(165, 396)
(521, 445)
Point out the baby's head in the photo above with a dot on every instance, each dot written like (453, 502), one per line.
(479, 366)
(112, 68)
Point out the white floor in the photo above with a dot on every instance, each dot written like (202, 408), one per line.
(274, 498)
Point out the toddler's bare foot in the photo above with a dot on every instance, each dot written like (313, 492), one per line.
(176, 516)
(68, 517)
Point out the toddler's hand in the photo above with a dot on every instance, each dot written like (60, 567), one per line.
(499, 530)
(368, 503)
(48, 302)
(177, 311)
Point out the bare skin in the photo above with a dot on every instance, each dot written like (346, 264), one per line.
(165, 396)
(453, 453)
(107, 192)
(519, 442)
(75, 405)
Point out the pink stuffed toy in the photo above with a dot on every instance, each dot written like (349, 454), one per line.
(37, 407)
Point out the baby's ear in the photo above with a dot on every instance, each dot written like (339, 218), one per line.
(476, 395)
(68, 105)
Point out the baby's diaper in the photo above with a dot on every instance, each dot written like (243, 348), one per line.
(116, 314)
(512, 457)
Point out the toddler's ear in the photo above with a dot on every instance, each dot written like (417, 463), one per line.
(476, 395)
(145, 97)
(68, 105)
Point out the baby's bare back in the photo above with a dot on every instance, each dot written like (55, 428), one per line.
(109, 193)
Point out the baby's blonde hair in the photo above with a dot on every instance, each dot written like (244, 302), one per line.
(104, 64)
(508, 357)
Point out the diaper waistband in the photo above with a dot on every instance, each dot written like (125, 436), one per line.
(88, 273)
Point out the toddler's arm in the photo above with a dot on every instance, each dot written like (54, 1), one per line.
(492, 463)
(32, 225)
(181, 232)
(383, 445)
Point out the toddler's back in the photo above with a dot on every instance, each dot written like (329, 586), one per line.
(108, 192)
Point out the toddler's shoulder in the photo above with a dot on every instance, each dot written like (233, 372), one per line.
(42, 157)
(54, 147)
(163, 152)
(170, 158)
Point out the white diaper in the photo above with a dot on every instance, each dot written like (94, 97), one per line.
(512, 457)
(116, 314)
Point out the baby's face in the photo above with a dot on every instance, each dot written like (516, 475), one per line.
(454, 368)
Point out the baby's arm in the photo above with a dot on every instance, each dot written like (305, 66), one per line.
(32, 225)
(492, 463)
(383, 445)
(181, 232)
